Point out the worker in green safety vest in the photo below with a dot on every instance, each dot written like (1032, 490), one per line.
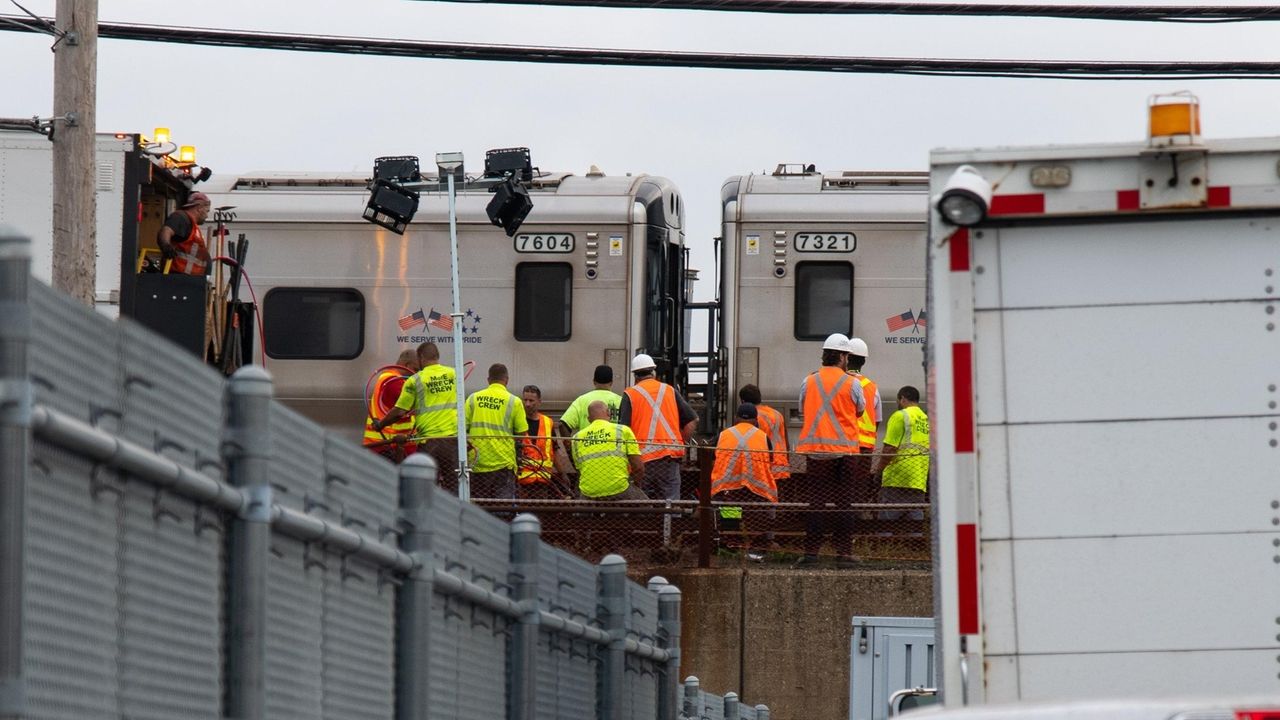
(607, 457)
(903, 462)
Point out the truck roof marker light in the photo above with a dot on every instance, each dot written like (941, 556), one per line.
(1173, 119)
(965, 198)
(161, 135)
(187, 155)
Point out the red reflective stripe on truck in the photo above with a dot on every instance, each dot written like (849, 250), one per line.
(1029, 204)
(1127, 200)
(962, 381)
(960, 250)
(1219, 197)
(967, 576)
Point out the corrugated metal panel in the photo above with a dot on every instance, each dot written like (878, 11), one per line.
(295, 589)
(447, 613)
(173, 403)
(170, 608)
(70, 605)
(363, 488)
(485, 561)
(74, 356)
(297, 461)
(359, 642)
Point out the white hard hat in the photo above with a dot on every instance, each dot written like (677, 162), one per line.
(642, 362)
(836, 341)
(856, 346)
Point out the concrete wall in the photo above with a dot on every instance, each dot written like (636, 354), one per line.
(781, 637)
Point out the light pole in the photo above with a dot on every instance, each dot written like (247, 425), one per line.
(448, 163)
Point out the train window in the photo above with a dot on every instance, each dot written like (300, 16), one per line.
(824, 299)
(544, 302)
(313, 323)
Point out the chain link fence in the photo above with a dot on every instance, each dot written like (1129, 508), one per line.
(754, 507)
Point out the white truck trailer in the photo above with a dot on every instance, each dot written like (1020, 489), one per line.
(1105, 370)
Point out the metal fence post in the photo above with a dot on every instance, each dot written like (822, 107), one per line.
(692, 698)
(731, 711)
(526, 536)
(669, 638)
(15, 448)
(247, 453)
(413, 608)
(762, 712)
(613, 606)
(706, 513)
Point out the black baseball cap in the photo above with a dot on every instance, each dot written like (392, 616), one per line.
(747, 411)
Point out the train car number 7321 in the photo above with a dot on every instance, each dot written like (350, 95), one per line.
(841, 242)
(544, 243)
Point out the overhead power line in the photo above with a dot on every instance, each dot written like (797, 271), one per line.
(1060, 69)
(1142, 13)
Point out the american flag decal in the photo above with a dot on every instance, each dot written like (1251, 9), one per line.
(900, 322)
(412, 320)
(435, 319)
(920, 323)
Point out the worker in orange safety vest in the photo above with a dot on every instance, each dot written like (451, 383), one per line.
(537, 475)
(832, 402)
(394, 441)
(663, 422)
(180, 239)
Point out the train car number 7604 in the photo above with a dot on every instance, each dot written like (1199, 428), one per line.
(544, 243)
(841, 242)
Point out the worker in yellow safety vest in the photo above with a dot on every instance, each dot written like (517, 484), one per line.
(537, 475)
(607, 457)
(432, 396)
(394, 442)
(864, 483)
(772, 424)
(495, 418)
(831, 401)
(904, 460)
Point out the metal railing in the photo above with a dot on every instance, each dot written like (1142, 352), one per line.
(176, 545)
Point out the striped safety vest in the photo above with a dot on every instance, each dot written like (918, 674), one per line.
(191, 254)
(867, 420)
(772, 424)
(742, 461)
(387, 381)
(494, 418)
(435, 401)
(655, 419)
(538, 454)
(910, 467)
(830, 414)
(599, 452)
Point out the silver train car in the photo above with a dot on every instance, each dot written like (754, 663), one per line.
(804, 255)
(594, 275)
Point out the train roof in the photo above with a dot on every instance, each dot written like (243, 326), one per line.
(559, 197)
(794, 193)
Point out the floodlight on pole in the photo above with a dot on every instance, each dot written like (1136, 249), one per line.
(449, 164)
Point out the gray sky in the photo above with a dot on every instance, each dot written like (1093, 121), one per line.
(256, 110)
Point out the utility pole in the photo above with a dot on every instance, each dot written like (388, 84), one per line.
(75, 167)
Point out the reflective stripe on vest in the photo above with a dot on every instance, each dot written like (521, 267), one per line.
(909, 468)
(538, 453)
(745, 466)
(603, 470)
(659, 438)
(191, 254)
(436, 413)
(772, 424)
(489, 414)
(404, 426)
(840, 437)
(867, 420)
